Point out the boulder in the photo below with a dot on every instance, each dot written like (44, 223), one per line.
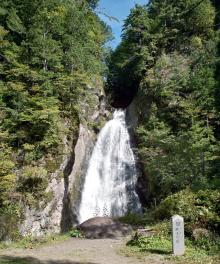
(104, 227)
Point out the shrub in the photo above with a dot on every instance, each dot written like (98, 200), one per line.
(33, 179)
(32, 185)
(76, 233)
(199, 209)
(7, 175)
(133, 219)
(206, 240)
(9, 220)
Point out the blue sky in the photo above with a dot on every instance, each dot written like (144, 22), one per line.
(118, 9)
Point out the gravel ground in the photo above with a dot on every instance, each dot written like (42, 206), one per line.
(73, 251)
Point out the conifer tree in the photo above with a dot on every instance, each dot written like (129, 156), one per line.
(168, 55)
(49, 52)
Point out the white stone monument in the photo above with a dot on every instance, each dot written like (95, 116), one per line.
(178, 235)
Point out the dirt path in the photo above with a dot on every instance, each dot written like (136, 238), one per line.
(75, 251)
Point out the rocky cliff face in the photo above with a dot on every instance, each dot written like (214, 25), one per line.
(60, 213)
(134, 118)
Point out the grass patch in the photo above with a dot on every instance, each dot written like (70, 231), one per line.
(159, 244)
(76, 233)
(34, 242)
(153, 244)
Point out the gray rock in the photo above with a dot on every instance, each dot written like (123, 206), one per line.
(104, 227)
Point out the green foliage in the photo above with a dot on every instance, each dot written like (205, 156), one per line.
(43, 70)
(199, 209)
(51, 52)
(153, 244)
(208, 242)
(200, 247)
(157, 244)
(169, 59)
(76, 233)
(33, 180)
(149, 31)
(133, 219)
(7, 176)
(129, 59)
(161, 228)
(174, 161)
(30, 242)
(10, 214)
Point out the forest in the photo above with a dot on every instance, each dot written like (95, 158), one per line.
(52, 52)
(168, 61)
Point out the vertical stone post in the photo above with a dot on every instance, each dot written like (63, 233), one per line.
(178, 235)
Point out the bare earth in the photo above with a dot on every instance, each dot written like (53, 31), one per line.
(76, 251)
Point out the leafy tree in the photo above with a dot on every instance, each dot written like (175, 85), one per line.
(168, 57)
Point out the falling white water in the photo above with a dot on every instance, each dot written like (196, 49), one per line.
(109, 188)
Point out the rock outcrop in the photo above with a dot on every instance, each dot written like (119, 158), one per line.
(60, 213)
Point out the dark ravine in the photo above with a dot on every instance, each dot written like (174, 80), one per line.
(133, 120)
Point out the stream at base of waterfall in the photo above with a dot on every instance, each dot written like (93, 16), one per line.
(110, 181)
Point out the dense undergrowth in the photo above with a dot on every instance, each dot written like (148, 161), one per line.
(205, 252)
(201, 220)
(201, 245)
(199, 209)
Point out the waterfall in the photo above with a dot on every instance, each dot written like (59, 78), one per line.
(109, 188)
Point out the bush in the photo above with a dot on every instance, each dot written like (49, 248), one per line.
(32, 184)
(206, 240)
(199, 209)
(197, 252)
(76, 233)
(7, 175)
(9, 220)
(33, 179)
(133, 219)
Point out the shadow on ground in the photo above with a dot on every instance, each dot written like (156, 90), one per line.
(157, 251)
(30, 260)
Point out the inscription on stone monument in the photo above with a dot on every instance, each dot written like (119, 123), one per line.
(178, 235)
